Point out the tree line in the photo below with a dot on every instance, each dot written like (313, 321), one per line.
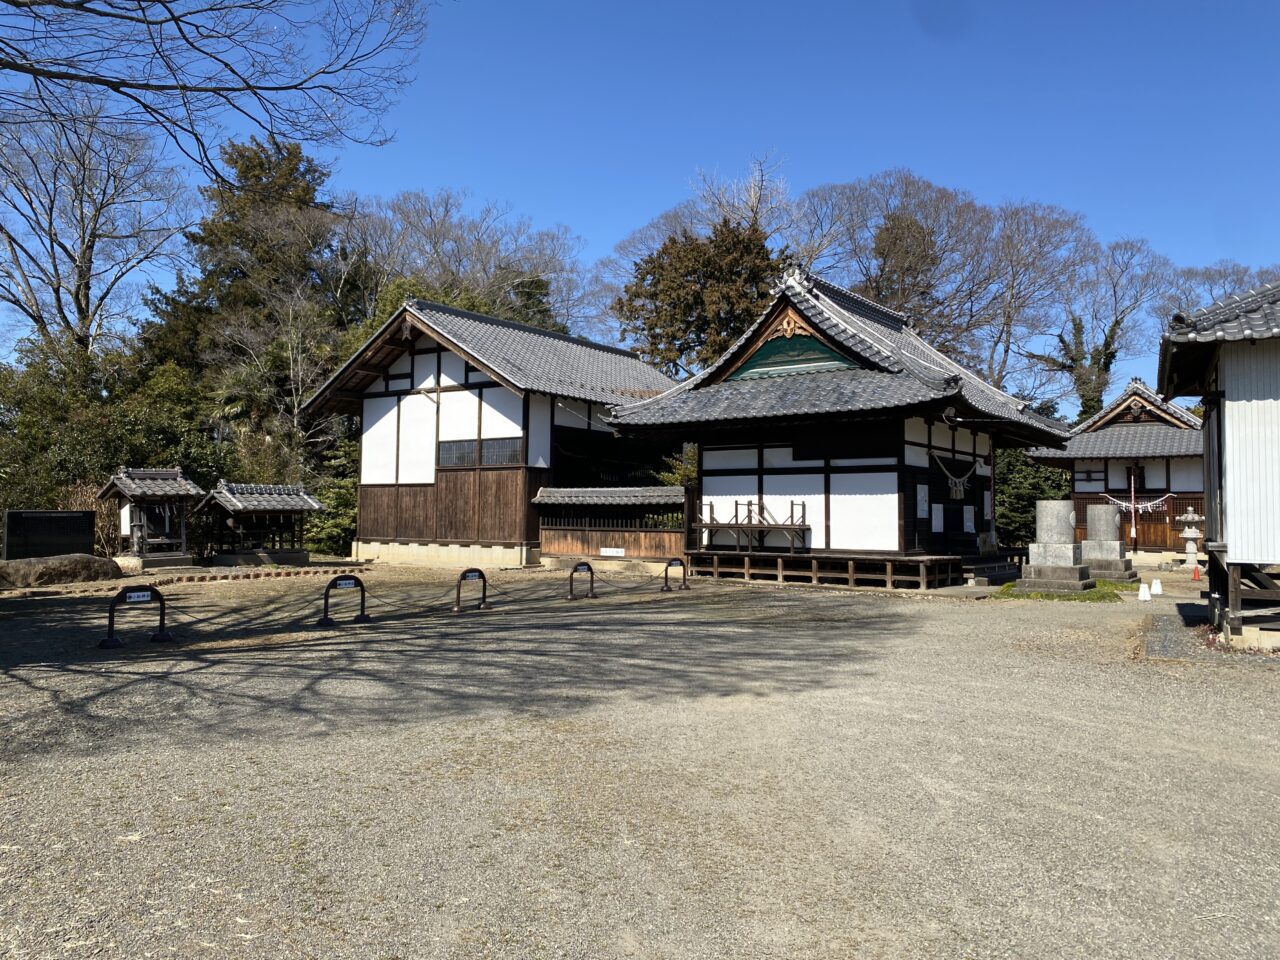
(147, 325)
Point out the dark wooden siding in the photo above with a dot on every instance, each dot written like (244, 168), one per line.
(462, 506)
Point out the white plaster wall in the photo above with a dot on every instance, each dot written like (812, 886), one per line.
(379, 385)
(502, 413)
(864, 511)
(1153, 471)
(917, 430)
(378, 441)
(720, 493)
(452, 369)
(915, 456)
(964, 440)
(402, 364)
(1116, 476)
(458, 413)
(1186, 475)
(784, 457)
(940, 435)
(417, 439)
(729, 459)
(424, 371)
(806, 488)
(982, 444)
(571, 413)
(539, 430)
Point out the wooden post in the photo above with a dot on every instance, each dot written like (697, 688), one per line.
(813, 570)
(746, 566)
(1234, 620)
(851, 573)
(780, 570)
(888, 575)
(924, 576)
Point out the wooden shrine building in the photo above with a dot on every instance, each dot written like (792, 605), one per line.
(1229, 354)
(153, 507)
(465, 417)
(257, 523)
(835, 445)
(1143, 454)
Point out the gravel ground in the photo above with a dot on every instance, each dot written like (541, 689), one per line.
(730, 772)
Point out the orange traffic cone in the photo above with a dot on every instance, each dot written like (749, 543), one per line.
(1195, 571)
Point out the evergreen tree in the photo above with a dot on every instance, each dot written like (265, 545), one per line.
(695, 295)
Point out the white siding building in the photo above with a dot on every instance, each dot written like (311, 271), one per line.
(1230, 353)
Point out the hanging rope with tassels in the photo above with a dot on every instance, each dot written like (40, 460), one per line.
(958, 484)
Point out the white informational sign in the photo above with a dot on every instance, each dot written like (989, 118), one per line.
(938, 525)
(138, 596)
(969, 524)
(922, 501)
(613, 551)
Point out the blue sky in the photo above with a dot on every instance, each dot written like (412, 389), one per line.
(1153, 119)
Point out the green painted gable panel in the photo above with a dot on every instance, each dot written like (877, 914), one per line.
(782, 355)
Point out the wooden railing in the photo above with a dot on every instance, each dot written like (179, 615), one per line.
(630, 543)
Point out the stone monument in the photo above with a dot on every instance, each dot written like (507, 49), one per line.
(1103, 550)
(1053, 561)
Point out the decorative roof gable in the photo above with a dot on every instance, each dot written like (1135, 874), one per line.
(890, 368)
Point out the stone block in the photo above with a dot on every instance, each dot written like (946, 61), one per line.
(1055, 521)
(1053, 586)
(1113, 569)
(1102, 550)
(1103, 521)
(1054, 554)
(1056, 572)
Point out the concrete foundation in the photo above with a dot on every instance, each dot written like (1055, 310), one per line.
(1075, 578)
(1113, 569)
(445, 555)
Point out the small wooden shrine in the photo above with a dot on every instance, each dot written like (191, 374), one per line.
(153, 508)
(257, 523)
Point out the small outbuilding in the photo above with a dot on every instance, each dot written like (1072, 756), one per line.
(1229, 353)
(1142, 454)
(153, 508)
(258, 523)
(635, 523)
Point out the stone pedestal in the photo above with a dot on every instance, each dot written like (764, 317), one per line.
(1054, 560)
(1104, 551)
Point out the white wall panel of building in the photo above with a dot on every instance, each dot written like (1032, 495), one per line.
(783, 496)
(864, 511)
(424, 371)
(784, 457)
(501, 415)
(1249, 375)
(539, 430)
(1117, 475)
(572, 413)
(1154, 474)
(378, 441)
(452, 369)
(917, 431)
(719, 495)
(401, 364)
(459, 413)
(417, 439)
(730, 459)
(1186, 475)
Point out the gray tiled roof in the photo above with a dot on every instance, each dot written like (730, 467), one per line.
(1128, 441)
(796, 394)
(545, 362)
(261, 498)
(140, 484)
(524, 357)
(1253, 316)
(905, 370)
(610, 496)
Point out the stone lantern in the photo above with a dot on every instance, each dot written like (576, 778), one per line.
(1191, 533)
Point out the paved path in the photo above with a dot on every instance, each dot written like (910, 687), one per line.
(732, 772)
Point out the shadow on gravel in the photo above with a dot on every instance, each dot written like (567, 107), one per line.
(533, 653)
